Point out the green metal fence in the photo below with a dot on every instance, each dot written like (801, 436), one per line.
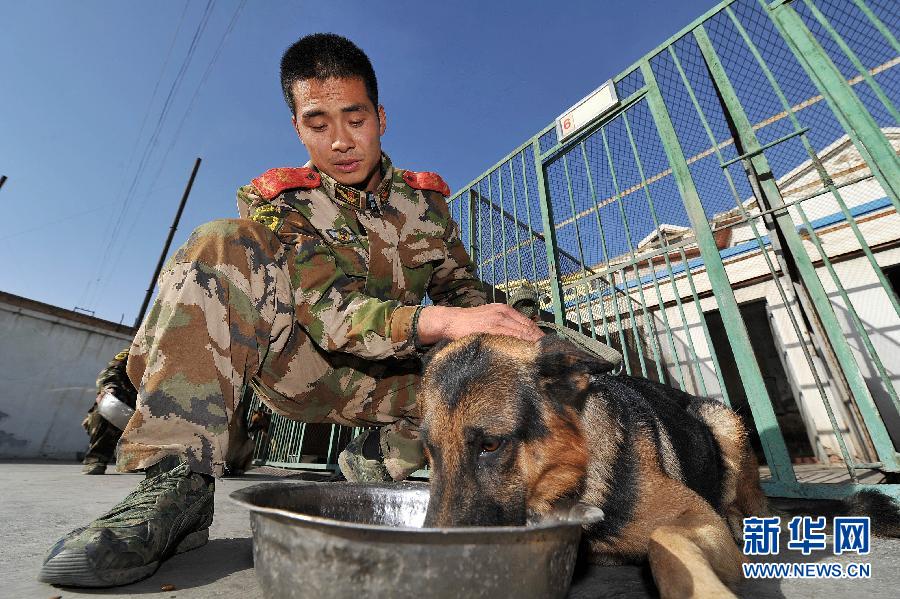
(731, 226)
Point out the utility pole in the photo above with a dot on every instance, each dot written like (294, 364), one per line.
(165, 250)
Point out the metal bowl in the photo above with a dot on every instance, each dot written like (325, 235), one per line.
(350, 540)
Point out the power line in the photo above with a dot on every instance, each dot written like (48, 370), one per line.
(109, 227)
(74, 215)
(160, 121)
(44, 224)
(112, 238)
(206, 73)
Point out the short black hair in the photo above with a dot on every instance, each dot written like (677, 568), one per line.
(324, 55)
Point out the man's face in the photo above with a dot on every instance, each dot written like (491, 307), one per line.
(341, 129)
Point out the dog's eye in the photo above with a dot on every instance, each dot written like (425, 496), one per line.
(491, 444)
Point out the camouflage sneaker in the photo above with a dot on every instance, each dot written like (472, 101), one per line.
(357, 468)
(170, 512)
(525, 301)
(402, 449)
(94, 468)
(388, 454)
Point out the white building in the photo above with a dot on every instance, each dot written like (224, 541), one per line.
(779, 349)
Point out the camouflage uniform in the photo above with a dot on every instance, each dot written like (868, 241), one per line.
(312, 297)
(104, 435)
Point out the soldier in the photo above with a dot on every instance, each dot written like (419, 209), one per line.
(101, 422)
(525, 301)
(313, 298)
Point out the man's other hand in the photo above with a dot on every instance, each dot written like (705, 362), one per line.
(443, 322)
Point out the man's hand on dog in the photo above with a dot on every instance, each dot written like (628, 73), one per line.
(442, 322)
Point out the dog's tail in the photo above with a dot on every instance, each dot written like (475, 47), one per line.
(883, 511)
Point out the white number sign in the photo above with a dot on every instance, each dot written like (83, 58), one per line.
(598, 102)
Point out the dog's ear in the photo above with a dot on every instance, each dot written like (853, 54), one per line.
(432, 352)
(568, 374)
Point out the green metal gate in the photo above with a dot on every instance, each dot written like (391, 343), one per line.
(750, 157)
(750, 167)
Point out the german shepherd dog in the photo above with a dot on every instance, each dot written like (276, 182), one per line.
(513, 429)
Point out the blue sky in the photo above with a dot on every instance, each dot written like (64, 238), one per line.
(463, 83)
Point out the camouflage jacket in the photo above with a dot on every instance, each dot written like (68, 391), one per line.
(364, 261)
(115, 379)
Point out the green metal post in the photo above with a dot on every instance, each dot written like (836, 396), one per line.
(627, 230)
(813, 286)
(502, 227)
(876, 22)
(528, 216)
(474, 250)
(676, 294)
(501, 207)
(478, 204)
(302, 435)
(712, 350)
(549, 235)
(590, 308)
(333, 437)
(605, 248)
(515, 204)
(862, 70)
(763, 415)
(852, 114)
(493, 246)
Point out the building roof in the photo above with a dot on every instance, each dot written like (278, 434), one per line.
(24, 303)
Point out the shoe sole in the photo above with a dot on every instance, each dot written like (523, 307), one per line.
(73, 569)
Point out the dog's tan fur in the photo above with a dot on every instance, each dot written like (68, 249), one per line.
(564, 437)
(552, 467)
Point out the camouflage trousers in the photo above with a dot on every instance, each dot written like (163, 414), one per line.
(103, 438)
(225, 319)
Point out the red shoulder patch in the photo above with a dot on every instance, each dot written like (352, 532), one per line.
(276, 180)
(425, 180)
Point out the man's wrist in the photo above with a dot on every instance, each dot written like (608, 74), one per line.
(430, 325)
(414, 330)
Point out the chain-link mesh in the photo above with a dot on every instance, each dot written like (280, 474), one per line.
(547, 140)
(501, 216)
(629, 84)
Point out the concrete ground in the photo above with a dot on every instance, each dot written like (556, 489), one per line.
(39, 502)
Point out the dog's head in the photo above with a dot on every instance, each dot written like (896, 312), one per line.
(501, 422)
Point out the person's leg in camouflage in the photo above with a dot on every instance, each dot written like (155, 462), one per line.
(103, 437)
(219, 297)
(224, 318)
(225, 301)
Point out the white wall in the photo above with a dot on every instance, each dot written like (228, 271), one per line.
(49, 360)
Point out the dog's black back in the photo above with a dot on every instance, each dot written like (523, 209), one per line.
(673, 418)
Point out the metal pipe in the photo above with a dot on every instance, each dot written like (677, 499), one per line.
(165, 250)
